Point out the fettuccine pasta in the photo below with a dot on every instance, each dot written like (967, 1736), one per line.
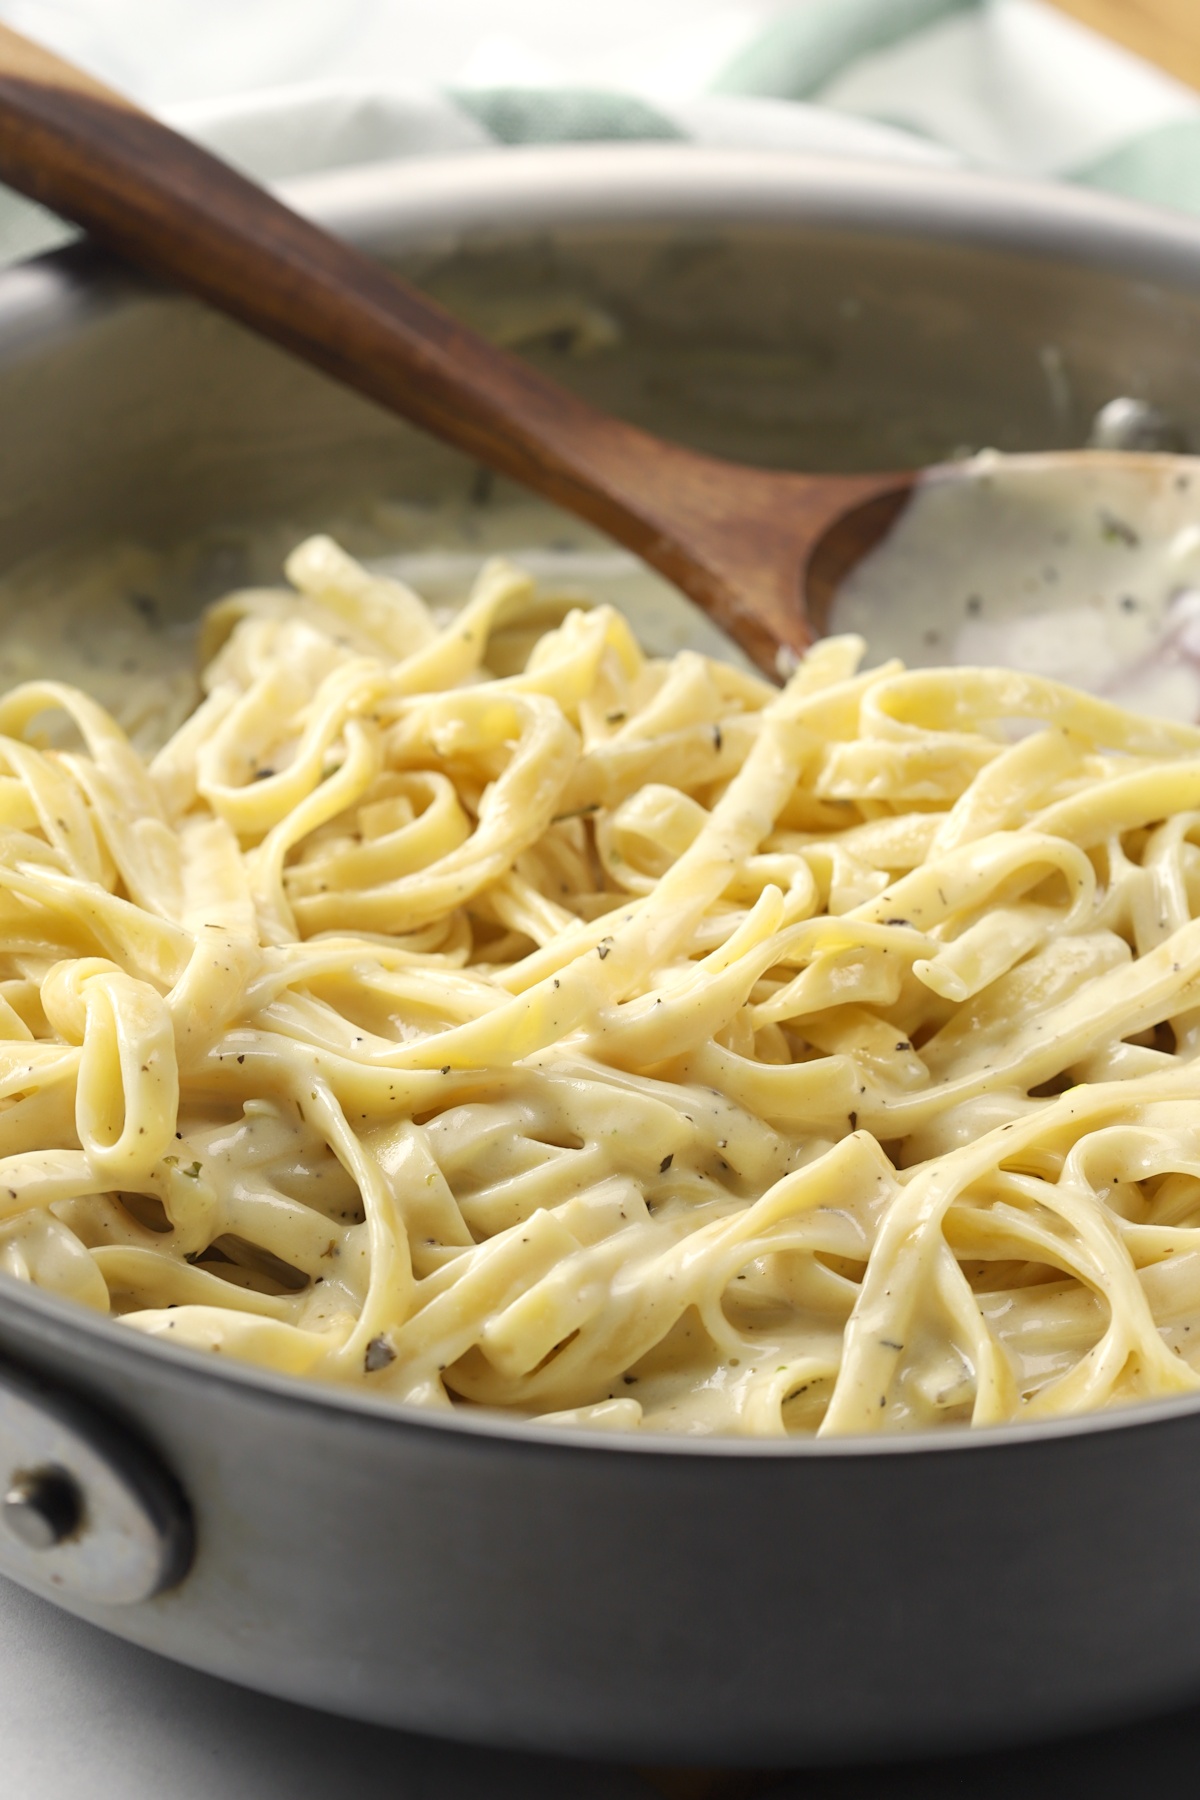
(476, 1012)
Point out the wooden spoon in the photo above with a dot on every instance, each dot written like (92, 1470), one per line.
(760, 551)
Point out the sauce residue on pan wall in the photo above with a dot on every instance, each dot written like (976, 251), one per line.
(120, 620)
(1084, 570)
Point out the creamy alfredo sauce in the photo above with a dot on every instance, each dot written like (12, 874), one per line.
(1083, 569)
(1087, 571)
(120, 621)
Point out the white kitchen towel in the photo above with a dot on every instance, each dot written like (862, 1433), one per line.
(286, 87)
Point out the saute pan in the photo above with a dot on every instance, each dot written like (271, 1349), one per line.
(683, 1599)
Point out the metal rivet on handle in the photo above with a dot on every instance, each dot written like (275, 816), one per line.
(42, 1508)
(87, 1513)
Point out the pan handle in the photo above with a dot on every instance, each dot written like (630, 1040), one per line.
(87, 1513)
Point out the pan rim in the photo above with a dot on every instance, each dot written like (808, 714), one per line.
(436, 202)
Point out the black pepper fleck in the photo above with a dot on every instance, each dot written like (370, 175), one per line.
(379, 1355)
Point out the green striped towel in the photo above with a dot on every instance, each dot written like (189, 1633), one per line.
(1003, 85)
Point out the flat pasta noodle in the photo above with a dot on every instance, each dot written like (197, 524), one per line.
(485, 1015)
